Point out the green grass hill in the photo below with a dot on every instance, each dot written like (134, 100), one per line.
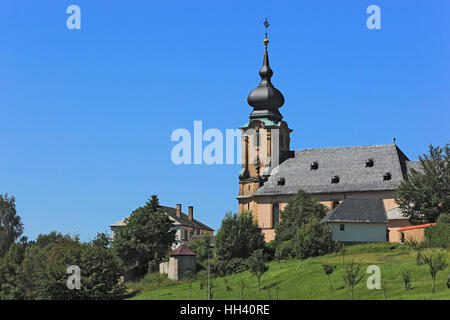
(309, 280)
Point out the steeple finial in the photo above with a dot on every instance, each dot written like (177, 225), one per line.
(265, 99)
(266, 41)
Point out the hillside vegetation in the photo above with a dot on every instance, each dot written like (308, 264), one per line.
(309, 280)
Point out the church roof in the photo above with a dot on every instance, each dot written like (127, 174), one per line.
(348, 164)
(358, 210)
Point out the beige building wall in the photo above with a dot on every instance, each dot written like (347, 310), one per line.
(393, 226)
(173, 269)
(269, 234)
(394, 235)
(414, 234)
(262, 206)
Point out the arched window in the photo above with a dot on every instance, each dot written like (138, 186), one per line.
(275, 214)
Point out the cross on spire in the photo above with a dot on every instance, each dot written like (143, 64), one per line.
(266, 41)
(266, 24)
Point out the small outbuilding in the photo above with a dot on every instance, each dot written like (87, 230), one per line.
(181, 259)
(358, 220)
(413, 233)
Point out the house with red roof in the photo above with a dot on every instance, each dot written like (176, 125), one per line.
(413, 233)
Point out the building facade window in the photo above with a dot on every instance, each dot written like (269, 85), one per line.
(342, 227)
(275, 214)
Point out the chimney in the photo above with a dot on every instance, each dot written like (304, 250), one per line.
(178, 209)
(191, 213)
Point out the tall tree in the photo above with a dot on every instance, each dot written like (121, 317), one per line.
(146, 239)
(424, 195)
(299, 210)
(237, 237)
(11, 226)
(203, 249)
(11, 286)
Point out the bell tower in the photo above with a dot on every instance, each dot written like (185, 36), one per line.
(265, 138)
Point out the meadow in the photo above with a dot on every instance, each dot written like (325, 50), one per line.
(288, 281)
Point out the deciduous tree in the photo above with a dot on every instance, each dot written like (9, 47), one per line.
(436, 262)
(352, 276)
(146, 239)
(258, 266)
(425, 195)
(299, 210)
(11, 226)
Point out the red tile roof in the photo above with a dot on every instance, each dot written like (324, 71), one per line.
(183, 250)
(420, 226)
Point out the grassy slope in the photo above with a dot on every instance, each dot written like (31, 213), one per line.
(309, 281)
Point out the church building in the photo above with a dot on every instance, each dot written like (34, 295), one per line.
(271, 172)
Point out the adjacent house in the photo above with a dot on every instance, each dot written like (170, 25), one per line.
(184, 224)
(358, 220)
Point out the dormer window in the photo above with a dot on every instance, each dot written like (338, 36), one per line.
(314, 165)
(387, 176)
(281, 182)
(335, 204)
(335, 179)
(369, 163)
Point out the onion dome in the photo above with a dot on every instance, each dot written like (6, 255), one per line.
(265, 96)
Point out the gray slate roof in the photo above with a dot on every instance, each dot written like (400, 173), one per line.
(358, 210)
(349, 163)
(172, 212)
(184, 220)
(395, 214)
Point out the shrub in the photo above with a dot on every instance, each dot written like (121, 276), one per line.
(313, 239)
(406, 279)
(443, 218)
(269, 250)
(299, 210)
(285, 250)
(438, 235)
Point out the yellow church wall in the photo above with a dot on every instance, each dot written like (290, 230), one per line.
(389, 204)
(269, 234)
(262, 206)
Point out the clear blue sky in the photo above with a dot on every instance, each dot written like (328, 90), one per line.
(86, 115)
